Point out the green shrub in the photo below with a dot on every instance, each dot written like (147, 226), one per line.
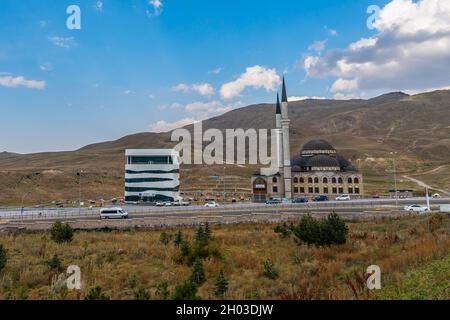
(162, 290)
(284, 230)
(178, 240)
(3, 258)
(55, 264)
(198, 273)
(435, 221)
(270, 271)
(221, 285)
(331, 230)
(141, 293)
(61, 232)
(186, 291)
(96, 293)
(165, 238)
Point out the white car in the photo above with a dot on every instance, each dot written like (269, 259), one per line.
(160, 204)
(343, 197)
(168, 204)
(113, 213)
(416, 208)
(211, 204)
(436, 196)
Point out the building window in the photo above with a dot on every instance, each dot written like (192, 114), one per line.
(302, 190)
(310, 180)
(295, 189)
(333, 180)
(302, 180)
(356, 190)
(334, 190)
(325, 190)
(325, 180)
(340, 180)
(295, 180)
(316, 190)
(341, 190)
(356, 180)
(274, 180)
(316, 180)
(350, 180)
(350, 190)
(275, 189)
(310, 190)
(150, 160)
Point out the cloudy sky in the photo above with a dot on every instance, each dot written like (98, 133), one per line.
(154, 65)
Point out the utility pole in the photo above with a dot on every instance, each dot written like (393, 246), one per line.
(79, 190)
(427, 197)
(224, 194)
(395, 183)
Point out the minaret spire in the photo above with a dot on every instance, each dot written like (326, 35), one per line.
(278, 104)
(284, 93)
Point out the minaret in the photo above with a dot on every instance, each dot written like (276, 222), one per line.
(285, 123)
(280, 163)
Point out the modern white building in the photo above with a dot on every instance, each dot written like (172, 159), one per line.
(152, 175)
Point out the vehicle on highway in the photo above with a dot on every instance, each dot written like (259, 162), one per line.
(211, 204)
(168, 204)
(160, 204)
(320, 198)
(300, 200)
(273, 201)
(436, 196)
(113, 213)
(343, 197)
(416, 208)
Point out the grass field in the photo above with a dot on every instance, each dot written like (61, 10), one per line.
(413, 254)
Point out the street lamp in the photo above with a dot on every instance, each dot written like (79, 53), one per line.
(395, 179)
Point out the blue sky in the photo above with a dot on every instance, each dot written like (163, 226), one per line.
(142, 65)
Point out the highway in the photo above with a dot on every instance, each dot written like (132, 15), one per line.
(143, 211)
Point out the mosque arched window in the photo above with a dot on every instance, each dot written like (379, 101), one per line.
(325, 180)
(295, 180)
(316, 180)
(333, 180)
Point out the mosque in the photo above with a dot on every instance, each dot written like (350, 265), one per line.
(317, 170)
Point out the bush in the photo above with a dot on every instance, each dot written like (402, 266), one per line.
(162, 290)
(203, 234)
(141, 293)
(221, 285)
(96, 293)
(178, 240)
(435, 221)
(3, 258)
(198, 273)
(284, 230)
(331, 230)
(165, 238)
(55, 264)
(186, 291)
(61, 232)
(269, 270)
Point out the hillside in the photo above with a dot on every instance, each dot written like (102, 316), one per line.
(415, 130)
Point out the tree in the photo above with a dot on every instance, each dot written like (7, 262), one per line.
(269, 270)
(178, 240)
(95, 293)
(307, 230)
(165, 238)
(198, 273)
(221, 285)
(61, 232)
(333, 230)
(141, 293)
(3, 258)
(186, 291)
(55, 264)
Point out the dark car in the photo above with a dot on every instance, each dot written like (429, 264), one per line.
(273, 201)
(300, 200)
(320, 198)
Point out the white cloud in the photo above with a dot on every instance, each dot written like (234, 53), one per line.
(301, 98)
(156, 8)
(164, 126)
(63, 42)
(43, 23)
(127, 92)
(409, 51)
(215, 71)
(98, 6)
(318, 46)
(204, 89)
(15, 82)
(256, 77)
(45, 67)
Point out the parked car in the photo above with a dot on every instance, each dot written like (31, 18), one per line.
(168, 204)
(416, 208)
(113, 213)
(211, 204)
(273, 201)
(436, 196)
(320, 198)
(343, 197)
(300, 200)
(160, 204)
